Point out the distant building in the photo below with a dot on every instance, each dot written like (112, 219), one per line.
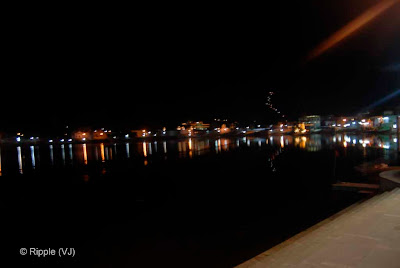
(142, 133)
(311, 121)
(100, 134)
(191, 128)
(82, 135)
(384, 123)
(328, 121)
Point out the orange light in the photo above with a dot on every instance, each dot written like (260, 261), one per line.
(144, 149)
(102, 152)
(84, 154)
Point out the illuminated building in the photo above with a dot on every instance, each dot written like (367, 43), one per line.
(100, 134)
(82, 135)
(311, 122)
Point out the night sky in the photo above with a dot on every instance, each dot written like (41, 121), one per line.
(163, 66)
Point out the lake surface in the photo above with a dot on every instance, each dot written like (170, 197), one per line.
(179, 203)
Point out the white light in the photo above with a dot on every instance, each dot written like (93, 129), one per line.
(163, 132)
(353, 123)
(395, 140)
(62, 140)
(31, 138)
(127, 136)
(18, 139)
(363, 120)
(84, 139)
(69, 140)
(50, 140)
(354, 141)
(395, 126)
(346, 125)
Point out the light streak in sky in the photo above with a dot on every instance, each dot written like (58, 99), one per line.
(351, 27)
(384, 99)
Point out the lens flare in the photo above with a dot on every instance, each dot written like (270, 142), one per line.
(351, 27)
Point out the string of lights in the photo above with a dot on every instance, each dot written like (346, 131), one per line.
(271, 106)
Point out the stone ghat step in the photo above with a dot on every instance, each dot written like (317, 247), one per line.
(363, 223)
(296, 250)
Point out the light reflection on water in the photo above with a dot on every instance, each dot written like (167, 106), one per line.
(84, 154)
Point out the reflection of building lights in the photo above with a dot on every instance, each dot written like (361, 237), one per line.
(85, 161)
(395, 126)
(144, 149)
(395, 140)
(354, 141)
(345, 143)
(102, 152)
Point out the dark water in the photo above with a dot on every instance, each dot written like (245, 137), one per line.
(177, 203)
